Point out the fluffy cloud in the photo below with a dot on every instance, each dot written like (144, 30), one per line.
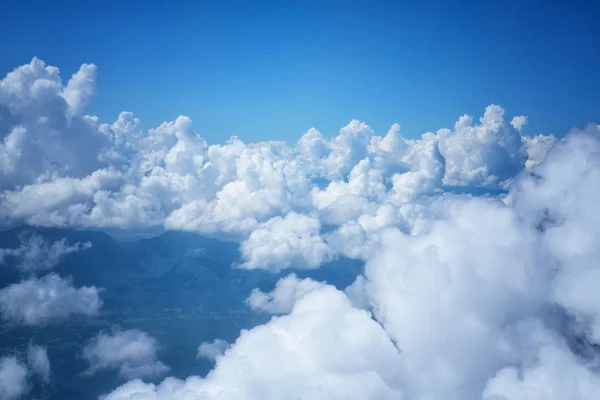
(38, 301)
(483, 298)
(131, 352)
(281, 300)
(37, 254)
(324, 349)
(64, 168)
(519, 122)
(13, 378)
(212, 350)
(462, 297)
(481, 155)
(40, 138)
(537, 147)
(555, 374)
(279, 243)
(470, 277)
(37, 359)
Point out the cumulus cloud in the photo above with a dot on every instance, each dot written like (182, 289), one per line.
(37, 359)
(357, 293)
(324, 349)
(80, 89)
(281, 300)
(39, 138)
(484, 298)
(555, 374)
(481, 155)
(212, 350)
(131, 352)
(39, 301)
(282, 242)
(537, 147)
(37, 254)
(65, 168)
(13, 378)
(519, 122)
(462, 297)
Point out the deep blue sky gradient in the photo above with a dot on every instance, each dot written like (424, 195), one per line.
(272, 70)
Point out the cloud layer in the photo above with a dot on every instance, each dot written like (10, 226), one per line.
(490, 298)
(481, 261)
(65, 168)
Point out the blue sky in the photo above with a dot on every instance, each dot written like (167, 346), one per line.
(272, 70)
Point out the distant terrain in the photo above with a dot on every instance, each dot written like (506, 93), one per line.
(179, 287)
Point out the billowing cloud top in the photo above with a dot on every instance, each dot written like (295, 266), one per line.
(485, 298)
(62, 167)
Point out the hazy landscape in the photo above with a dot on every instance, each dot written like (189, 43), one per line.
(181, 288)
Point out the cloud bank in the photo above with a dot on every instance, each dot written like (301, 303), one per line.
(481, 261)
(492, 298)
(62, 167)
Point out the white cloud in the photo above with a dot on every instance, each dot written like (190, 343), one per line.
(537, 148)
(64, 168)
(357, 293)
(40, 140)
(469, 277)
(467, 293)
(131, 352)
(519, 122)
(37, 359)
(80, 89)
(481, 155)
(426, 172)
(13, 378)
(38, 301)
(324, 349)
(281, 300)
(279, 243)
(469, 302)
(212, 350)
(37, 254)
